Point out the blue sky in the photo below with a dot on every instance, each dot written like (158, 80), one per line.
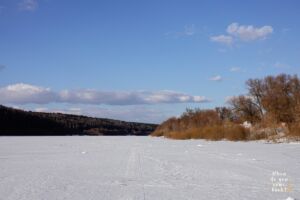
(141, 60)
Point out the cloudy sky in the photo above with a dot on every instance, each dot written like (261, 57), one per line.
(141, 60)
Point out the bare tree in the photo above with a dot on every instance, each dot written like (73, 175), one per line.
(256, 89)
(277, 98)
(245, 108)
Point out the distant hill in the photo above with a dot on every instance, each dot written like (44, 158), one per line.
(19, 122)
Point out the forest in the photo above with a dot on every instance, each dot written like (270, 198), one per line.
(19, 122)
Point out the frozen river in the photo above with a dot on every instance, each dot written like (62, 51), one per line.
(85, 167)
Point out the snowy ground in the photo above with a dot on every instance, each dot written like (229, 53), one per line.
(84, 167)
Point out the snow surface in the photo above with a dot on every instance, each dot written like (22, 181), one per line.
(86, 167)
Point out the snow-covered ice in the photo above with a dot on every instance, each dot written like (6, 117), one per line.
(290, 198)
(85, 167)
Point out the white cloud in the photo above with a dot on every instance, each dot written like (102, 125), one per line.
(235, 69)
(216, 78)
(249, 33)
(244, 33)
(21, 93)
(126, 98)
(24, 94)
(29, 5)
(225, 39)
(137, 113)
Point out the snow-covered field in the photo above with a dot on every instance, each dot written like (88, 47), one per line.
(84, 167)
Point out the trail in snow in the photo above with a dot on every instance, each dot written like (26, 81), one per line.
(145, 168)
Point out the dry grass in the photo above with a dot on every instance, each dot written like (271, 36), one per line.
(236, 132)
(294, 130)
(227, 131)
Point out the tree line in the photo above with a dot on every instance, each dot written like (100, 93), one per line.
(19, 122)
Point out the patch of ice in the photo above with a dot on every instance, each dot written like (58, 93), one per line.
(83, 152)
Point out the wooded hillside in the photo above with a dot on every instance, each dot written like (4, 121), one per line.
(19, 122)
